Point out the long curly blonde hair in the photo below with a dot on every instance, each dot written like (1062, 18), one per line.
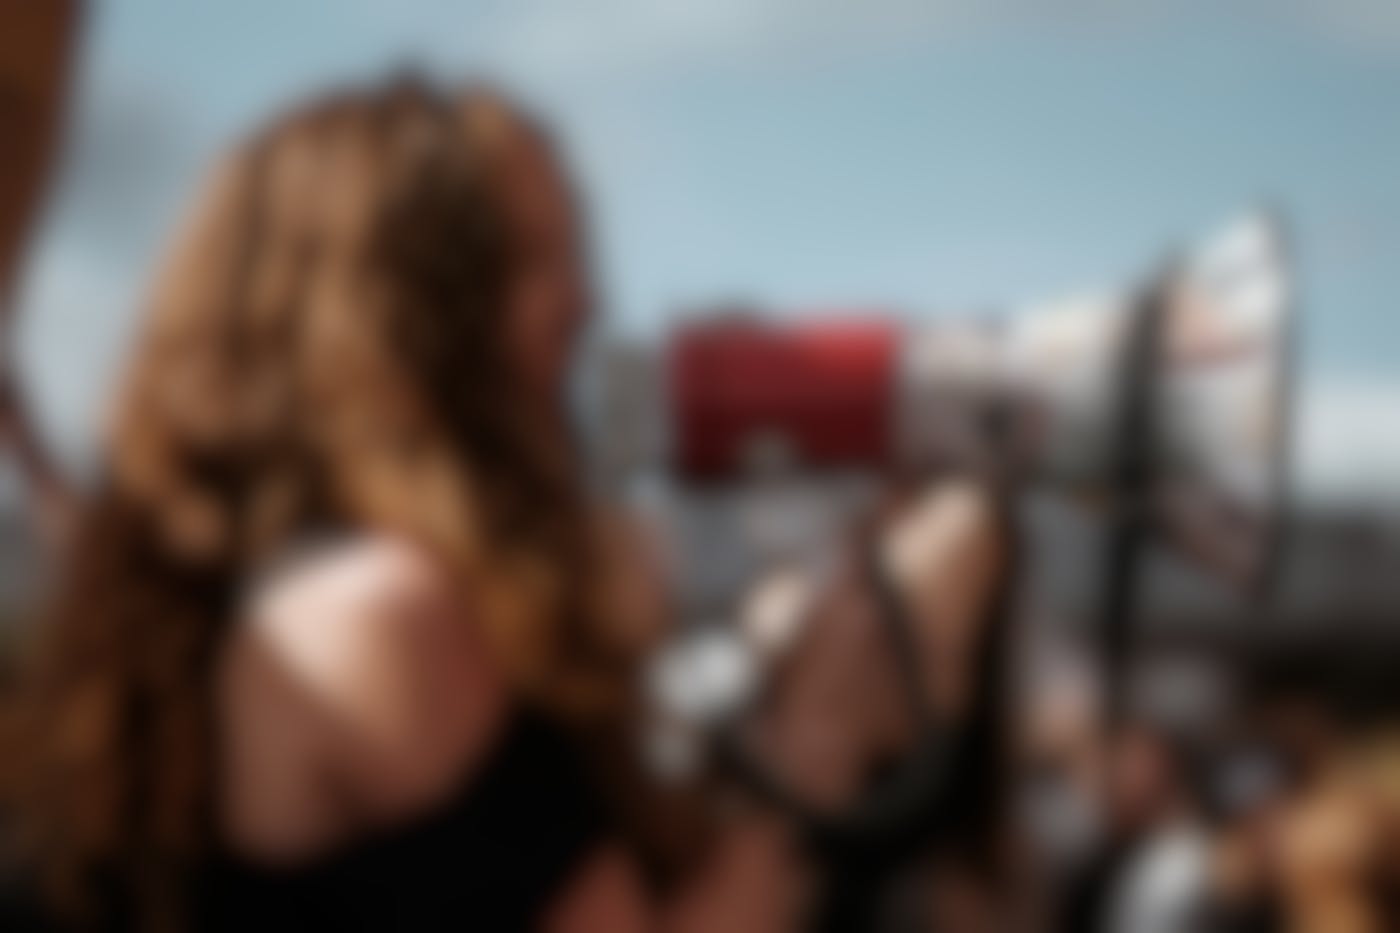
(323, 350)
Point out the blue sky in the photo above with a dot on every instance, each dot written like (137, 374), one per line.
(935, 157)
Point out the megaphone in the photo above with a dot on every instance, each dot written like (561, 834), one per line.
(1169, 398)
(752, 442)
(1164, 406)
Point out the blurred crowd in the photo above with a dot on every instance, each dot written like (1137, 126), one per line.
(341, 638)
(1275, 812)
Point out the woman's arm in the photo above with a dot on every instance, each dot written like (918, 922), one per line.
(837, 706)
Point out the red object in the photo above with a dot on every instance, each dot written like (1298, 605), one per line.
(824, 391)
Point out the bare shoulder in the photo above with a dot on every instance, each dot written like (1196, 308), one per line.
(376, 602)
(374, 651)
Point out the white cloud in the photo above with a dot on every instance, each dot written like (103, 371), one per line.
(1348, 441)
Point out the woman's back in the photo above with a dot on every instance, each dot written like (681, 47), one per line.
(366, 324)
(374, 773)
(354, 691)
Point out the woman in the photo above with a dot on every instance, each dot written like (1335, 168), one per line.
(334, 629)
(37, 45)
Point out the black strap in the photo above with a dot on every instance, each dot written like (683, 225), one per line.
(886, 819)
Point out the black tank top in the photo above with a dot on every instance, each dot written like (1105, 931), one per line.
(492, 859)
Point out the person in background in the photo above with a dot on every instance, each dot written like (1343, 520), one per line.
(1163, 873)
(1059, 768)
(37, 44)
(1148, 868)
(339, 640)
(1319, 856)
